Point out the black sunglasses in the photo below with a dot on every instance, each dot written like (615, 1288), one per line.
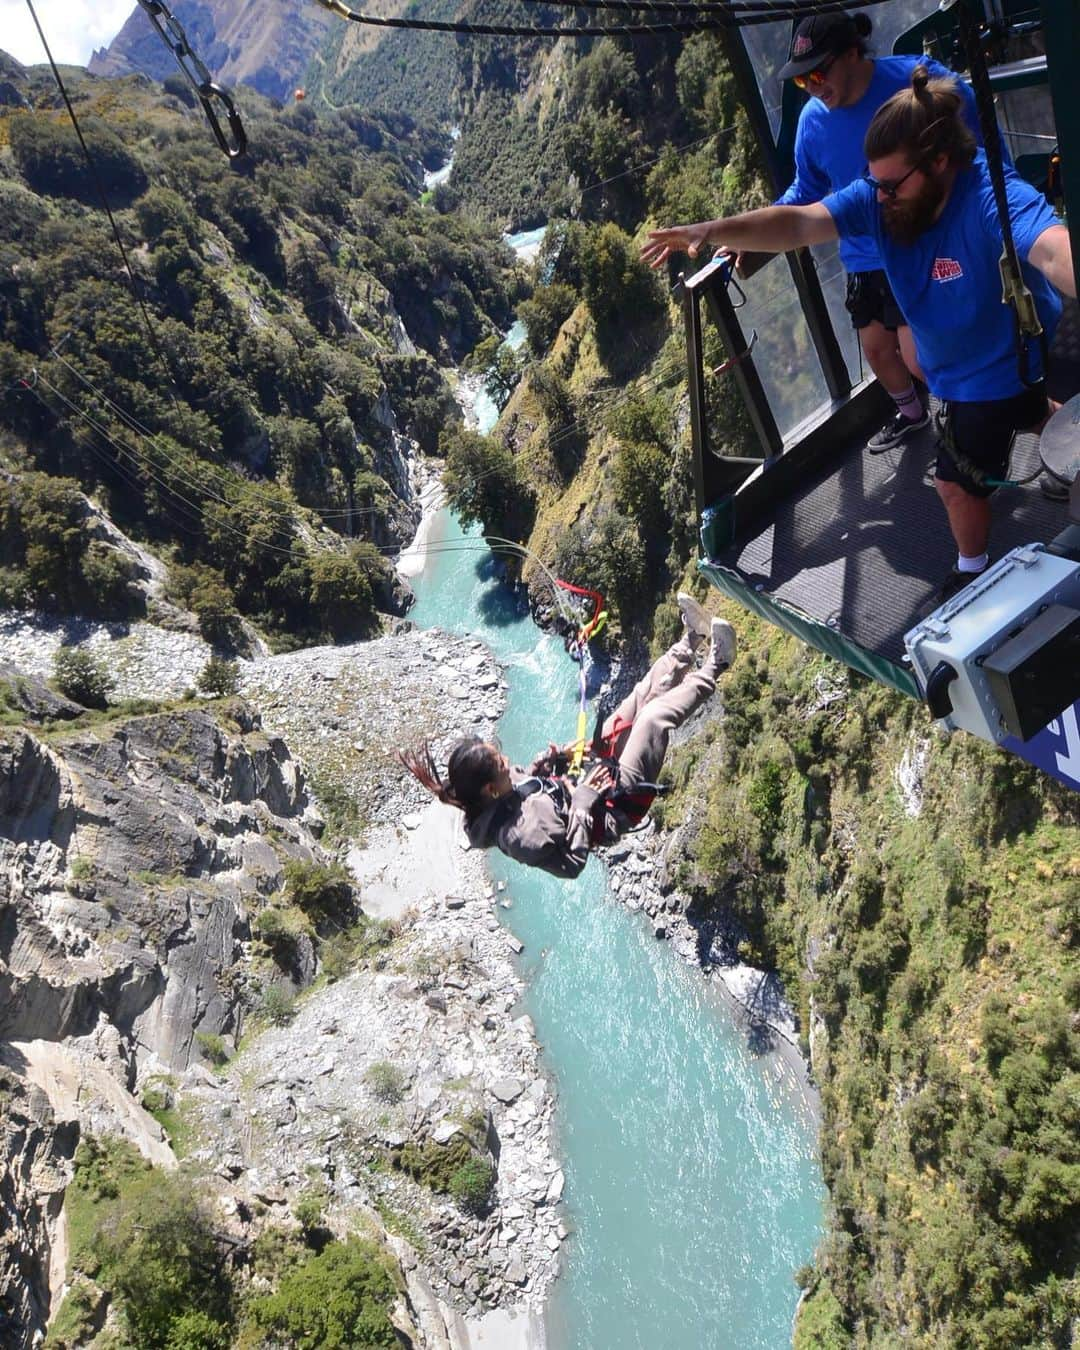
(889, 188)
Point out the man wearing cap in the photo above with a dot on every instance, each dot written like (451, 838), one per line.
(829, 59)
(928, 204)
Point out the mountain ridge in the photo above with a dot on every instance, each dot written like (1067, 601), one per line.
(267, 44)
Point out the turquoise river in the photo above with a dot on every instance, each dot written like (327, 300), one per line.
(693, 1183)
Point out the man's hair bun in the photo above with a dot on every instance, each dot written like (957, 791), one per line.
(863, 24)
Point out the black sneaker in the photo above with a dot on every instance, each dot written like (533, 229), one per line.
(952, 585)
(893, 432)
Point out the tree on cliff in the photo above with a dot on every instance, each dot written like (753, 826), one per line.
(485, 486)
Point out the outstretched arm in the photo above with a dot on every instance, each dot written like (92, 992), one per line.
(1051, 253)
(773, 229)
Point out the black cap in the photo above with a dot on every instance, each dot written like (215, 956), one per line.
(817, 38)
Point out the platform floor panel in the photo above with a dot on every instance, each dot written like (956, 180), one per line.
(866, 544)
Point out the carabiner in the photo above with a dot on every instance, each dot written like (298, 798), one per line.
(195, 72)
(725, 366)
(239, 146)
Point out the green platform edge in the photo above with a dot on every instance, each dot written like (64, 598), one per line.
(817, 635)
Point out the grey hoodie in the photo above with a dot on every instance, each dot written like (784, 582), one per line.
(541, 823)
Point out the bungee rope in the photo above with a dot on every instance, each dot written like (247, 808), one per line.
(577, 645)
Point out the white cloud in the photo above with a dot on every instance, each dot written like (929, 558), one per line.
(73, 28)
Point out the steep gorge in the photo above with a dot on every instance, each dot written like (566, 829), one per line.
(919, 896)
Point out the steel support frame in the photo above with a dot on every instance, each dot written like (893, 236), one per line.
(717, 475)
(780, 170)
(1061, 19)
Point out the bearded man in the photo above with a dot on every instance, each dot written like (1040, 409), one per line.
(928, 202)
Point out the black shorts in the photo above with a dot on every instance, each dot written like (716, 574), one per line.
(869, 298)
(975, 438)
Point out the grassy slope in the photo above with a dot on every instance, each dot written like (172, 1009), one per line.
(912, 923)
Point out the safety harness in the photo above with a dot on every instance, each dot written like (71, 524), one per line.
(1027, 326)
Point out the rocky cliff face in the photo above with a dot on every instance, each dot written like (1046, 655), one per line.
(135, 855)
(35, 1151)
(131, 858)
(264, 43)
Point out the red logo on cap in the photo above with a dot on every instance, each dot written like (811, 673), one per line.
(802, 44)
(946, 269)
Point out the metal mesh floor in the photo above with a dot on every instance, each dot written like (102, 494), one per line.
(865, 544)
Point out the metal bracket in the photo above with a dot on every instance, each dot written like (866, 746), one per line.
(725, 366)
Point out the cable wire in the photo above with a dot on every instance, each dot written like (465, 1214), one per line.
(104, 199)
(733, 17)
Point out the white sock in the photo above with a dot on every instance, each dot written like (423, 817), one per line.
(909, 403)
(971, 564)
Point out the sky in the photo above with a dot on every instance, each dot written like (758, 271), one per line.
(74, 28)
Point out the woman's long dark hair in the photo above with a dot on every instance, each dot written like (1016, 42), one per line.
(470, 768)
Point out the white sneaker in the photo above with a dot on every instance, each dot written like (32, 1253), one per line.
(694, 617)
(724, 645)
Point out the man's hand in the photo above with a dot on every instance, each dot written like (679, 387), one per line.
(688, 239)
(770, 229)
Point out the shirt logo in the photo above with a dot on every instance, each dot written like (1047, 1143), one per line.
(802, 44)
(946, 269)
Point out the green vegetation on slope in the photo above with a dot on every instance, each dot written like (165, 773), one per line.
(274, 287)
(143, 1243)
(933, 953)
(588, 437)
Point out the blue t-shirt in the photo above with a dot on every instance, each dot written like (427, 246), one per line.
(829, 145)
(948, 284)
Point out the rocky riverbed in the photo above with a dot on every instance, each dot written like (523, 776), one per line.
(295, 1109)
(299, 1109)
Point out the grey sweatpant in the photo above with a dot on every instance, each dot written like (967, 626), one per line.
(661, 701)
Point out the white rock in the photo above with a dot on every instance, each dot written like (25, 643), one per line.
(555, 1187)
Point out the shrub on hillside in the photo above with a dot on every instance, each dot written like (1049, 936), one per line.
(343, 1296)
(385, 1081)
(320, 892)
(620, 291)
(281, 928)
(48, 557)
(219, 678)
(545, 314)
(341, 594)
(144, 1236)
(609, 550)
(212, 1047)
(206, 593)
(80, 676)
(420, 397)
(52, 162)
(277, 1005)
(485, 486)
(471, 1185)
